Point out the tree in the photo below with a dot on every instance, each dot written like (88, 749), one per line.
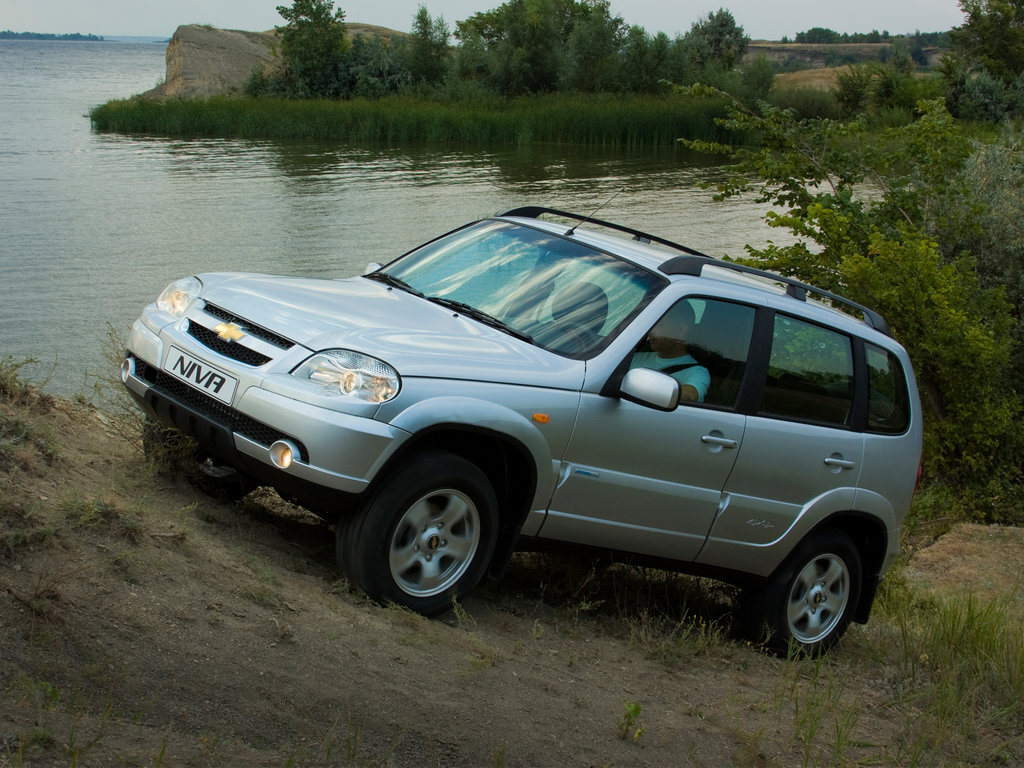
(313, 46)
(819, 36)
(718, 41)
(428, 52)
(992, 36)
(643, 61)
(374, 69)
(592, 48)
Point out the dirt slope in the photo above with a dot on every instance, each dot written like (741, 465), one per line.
(142, 623)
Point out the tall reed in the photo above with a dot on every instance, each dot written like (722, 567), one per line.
(583, 120)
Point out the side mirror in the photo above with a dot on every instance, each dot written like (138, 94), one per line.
(650, 388)
(373, 266)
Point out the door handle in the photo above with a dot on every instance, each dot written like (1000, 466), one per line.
(718, 440)
(839, 463)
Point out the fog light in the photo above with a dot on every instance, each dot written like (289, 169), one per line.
(283, 453)
(127, 369)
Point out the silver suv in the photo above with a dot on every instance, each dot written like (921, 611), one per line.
(541, 375)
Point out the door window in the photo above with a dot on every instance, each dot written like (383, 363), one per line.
(810, 373)
(888, 399)
(703, 344)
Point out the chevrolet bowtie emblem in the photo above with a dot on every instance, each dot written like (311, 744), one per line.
(229, 331)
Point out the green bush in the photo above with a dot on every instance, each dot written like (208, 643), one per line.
(806, 103)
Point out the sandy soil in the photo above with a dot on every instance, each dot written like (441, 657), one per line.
(143, 623)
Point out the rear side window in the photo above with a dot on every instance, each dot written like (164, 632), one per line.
(810, 373)
(888, 399)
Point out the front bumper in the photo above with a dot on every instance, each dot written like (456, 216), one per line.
(339, 453)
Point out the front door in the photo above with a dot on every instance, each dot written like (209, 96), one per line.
(638, 479)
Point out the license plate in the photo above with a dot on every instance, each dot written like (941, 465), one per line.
(200, 375)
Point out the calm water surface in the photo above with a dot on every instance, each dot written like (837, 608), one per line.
(93, 226)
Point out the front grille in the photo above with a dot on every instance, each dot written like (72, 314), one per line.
(253, 330)
(231, 349)
(248, 427)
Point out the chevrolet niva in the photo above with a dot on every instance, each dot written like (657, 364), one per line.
(522, 379)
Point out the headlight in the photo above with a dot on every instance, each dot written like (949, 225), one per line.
(341, 372)
(179, 295)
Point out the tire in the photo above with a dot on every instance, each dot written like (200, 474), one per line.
(425, 537)
(806, 604)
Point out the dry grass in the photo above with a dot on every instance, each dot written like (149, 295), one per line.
(821, 78)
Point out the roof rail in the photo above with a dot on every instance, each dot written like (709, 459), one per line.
(535, 211)
(693, 265)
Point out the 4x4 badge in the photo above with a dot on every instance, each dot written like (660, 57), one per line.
(229, 331)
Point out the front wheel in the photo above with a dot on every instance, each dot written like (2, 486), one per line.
(425, 537)
(806, 605)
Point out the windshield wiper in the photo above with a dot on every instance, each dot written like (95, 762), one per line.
(394, 282)
(479, 315)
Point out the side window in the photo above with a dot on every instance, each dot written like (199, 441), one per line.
(702, 343)
(888, 399)
(810, 373)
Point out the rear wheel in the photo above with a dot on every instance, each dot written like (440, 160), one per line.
(425, 537)
(806, 605)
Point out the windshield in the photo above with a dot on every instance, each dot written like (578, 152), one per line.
(555, 292)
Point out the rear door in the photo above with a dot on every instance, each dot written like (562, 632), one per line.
(799, 448)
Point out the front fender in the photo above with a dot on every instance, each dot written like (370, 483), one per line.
(541, 433)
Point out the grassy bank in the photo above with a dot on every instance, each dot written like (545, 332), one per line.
(584, 120)
(145, 623)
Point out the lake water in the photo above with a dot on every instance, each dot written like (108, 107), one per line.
(93, 226)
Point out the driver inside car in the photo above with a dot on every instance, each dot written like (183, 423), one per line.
(664, 350)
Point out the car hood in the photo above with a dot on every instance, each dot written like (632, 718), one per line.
(417, 337)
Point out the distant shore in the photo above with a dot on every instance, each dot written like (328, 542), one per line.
(74, 37)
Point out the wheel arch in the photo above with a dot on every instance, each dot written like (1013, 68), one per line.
(870, 536)
(508, 464)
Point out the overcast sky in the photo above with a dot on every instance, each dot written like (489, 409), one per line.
(760, 19)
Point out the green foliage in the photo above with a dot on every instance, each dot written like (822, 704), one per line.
(880, 89)
(853, 88)
(984, 76)
(592, 50)
(313, 44)
(428, 53)
(805, 102)
(869, 213)
(995, 232)
(642, 60)
(537, 46)
(521, 47)
(375, 70)
(521, 42)
(718, 41)
(628, 724)
(825, 36)
(819, 36)
(974, 93)
(993, 36)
